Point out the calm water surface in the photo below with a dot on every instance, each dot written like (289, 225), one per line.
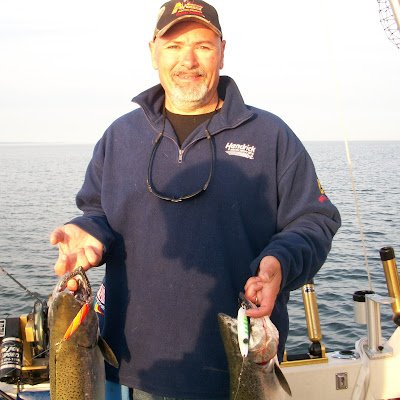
(38, 184)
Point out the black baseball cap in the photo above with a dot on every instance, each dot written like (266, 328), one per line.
(173, 12)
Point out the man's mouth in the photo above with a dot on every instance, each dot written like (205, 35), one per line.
(188, 76)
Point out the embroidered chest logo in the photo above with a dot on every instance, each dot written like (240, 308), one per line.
(240, 150)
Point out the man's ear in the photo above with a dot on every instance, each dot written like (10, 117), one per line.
(152, 47)
(223, 43)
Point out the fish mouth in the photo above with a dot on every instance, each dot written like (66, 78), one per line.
(263, 338)
(84, 292)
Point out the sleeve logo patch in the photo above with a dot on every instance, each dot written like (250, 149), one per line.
(323, 197)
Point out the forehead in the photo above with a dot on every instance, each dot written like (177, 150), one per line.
(189, 28)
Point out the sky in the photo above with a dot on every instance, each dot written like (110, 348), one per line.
(68, 69)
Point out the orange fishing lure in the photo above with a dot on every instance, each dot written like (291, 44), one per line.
(77, 321)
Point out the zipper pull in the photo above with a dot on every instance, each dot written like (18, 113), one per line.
(180, 156)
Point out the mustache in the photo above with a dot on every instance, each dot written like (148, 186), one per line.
(185, 72)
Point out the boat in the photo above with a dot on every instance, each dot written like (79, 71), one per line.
(369, 371)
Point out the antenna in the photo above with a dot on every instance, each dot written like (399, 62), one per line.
(389, 11)
(395, 4)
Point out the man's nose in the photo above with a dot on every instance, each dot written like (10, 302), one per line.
(189, 58)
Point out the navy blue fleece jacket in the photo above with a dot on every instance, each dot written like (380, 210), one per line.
(171, 267)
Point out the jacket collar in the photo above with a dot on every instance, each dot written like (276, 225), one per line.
(232, 114)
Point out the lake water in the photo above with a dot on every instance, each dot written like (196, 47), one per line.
(38, 184)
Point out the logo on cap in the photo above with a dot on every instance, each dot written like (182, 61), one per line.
(187, 7)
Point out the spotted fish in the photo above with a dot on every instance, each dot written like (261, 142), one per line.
(256, 376)
(77, 351)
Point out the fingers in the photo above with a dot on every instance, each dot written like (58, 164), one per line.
(251, 289)
(259, 312)
(84, 257)
(263, 289)
(87, 258)
(76, 248)
(57, 236)
(259, 293)
(265, 301)
(93, 256)
(62, 266)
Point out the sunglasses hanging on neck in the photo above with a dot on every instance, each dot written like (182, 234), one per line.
(163, 196)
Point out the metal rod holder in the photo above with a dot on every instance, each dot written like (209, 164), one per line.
(392, 280)
(376, 348)
(316, 348)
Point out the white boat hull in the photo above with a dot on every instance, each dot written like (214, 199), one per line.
(366, 378)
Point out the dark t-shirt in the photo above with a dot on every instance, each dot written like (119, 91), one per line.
(184, 125)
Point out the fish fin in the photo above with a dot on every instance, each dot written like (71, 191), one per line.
(107, 352)
(282, 380)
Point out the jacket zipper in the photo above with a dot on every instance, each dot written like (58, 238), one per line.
(180, 155)
(181, 151)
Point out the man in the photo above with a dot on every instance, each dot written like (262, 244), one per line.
(188, 200)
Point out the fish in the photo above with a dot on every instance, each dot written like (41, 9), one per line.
(256, 376)
(77, 351)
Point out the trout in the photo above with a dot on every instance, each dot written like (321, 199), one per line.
(77, 351)
(256, 376)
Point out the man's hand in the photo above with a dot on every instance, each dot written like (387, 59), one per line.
(76, 248)
(263, 288)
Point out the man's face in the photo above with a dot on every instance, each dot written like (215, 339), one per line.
(188, 58)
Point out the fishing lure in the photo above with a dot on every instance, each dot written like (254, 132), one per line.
(243, 335)
(243, 330)
(77, 321)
